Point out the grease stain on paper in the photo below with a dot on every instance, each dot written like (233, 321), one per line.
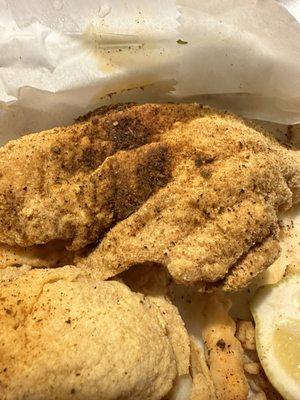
(115, 52)
(137, 58)
(133, 46)
(110, 50)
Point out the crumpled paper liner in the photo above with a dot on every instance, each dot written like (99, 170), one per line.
(62, 58)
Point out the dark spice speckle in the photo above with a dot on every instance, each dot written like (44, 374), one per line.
(221, 344)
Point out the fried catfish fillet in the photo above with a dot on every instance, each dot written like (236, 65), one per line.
(65, 334)
(74, 183)
(195, 190)
(216, 219)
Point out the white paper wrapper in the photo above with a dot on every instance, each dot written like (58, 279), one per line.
(61, 58)
(242, 55)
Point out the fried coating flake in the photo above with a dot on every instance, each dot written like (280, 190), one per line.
(245, 332)
(65, 334)
(203, 387)
(195, 190)
(224, 353)
(258, 381)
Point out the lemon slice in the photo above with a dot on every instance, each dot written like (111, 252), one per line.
(276, 311)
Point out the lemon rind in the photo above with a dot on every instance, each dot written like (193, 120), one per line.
(262, 306)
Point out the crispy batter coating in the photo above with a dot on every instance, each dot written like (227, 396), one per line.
(73, 183)
(224, 353)
(151, 280)
(203, 387)
(245, 332)
(217, 219)
(190, 188)
(67, 335)
(258, 381)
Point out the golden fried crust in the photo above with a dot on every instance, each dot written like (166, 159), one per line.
(253, 263)
(217, 218)
(223, 351)
(260, 386)
(192, 189)
(66, 184)
(66, 335)
(151, 280)
(203, 387)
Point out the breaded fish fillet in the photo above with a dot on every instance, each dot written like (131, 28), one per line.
(193, 189)
(74, 183)
(67, 335)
